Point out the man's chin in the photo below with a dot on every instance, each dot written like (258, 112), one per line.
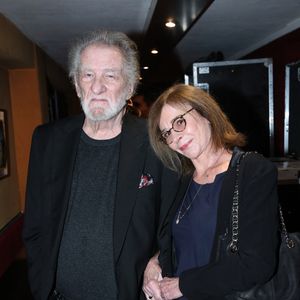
(101, 116)
(97, 117)
(97, 113)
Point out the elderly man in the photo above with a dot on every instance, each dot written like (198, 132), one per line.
(96, 193)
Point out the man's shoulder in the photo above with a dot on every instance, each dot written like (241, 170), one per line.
(134, 125)
(132, 119)
(67, 123)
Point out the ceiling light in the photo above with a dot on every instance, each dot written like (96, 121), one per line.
(170, 24)
(145, 67)
(154, 51)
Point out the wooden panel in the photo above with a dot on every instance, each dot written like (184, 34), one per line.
(26, 114)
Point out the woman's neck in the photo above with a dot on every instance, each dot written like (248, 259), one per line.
(211, 164)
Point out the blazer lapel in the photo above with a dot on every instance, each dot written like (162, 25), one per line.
(225, 205)
(226, 194)
(168, 217)
(131, 164)
(67, 140)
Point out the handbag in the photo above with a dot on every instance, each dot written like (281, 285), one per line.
(285, 283)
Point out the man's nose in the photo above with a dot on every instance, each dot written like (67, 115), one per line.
(98, 85)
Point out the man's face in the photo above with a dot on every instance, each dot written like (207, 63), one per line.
(100, 84)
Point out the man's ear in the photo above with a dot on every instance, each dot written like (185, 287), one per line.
(77, 88)
(130, 92)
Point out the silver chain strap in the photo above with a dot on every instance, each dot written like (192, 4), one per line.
(233, 245)
(290, 243)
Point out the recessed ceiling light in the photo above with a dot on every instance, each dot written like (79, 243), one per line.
(154, 51)
(145, 67)
(170, 24)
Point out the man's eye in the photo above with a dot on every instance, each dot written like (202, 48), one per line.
(87, 76)
(110, 76)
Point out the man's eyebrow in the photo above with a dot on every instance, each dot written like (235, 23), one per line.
(112, 70)
(104, 70)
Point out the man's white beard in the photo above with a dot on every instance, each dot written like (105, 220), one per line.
(106, 114)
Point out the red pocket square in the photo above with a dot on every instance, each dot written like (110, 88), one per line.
(146, 179)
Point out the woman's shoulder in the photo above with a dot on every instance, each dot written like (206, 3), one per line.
(258, 163)
(256, 157)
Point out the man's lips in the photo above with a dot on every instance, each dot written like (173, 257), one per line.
(97, 102)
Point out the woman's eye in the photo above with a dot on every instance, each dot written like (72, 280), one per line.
(165, 134)
(179, 121)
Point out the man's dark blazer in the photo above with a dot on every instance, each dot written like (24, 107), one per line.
(138, 211)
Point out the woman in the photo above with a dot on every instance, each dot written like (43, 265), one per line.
(191, 134)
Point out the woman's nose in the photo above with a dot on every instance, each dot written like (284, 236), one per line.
(176, 136)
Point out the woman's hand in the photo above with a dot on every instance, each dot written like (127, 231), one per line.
(169, 288)
(152, 290)
(152, 276)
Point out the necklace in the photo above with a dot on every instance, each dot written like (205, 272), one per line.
(207, 173)
(182, 212)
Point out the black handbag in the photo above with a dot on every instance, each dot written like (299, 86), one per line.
(285, 284)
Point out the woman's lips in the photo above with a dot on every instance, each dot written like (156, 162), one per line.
(184, 146)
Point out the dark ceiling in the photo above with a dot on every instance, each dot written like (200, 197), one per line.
(165, 39)
(233, 28)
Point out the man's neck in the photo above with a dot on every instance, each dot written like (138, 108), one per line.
(103, 130)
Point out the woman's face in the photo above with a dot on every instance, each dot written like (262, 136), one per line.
(195, 139)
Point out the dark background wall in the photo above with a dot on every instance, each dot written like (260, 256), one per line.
(283, 51)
